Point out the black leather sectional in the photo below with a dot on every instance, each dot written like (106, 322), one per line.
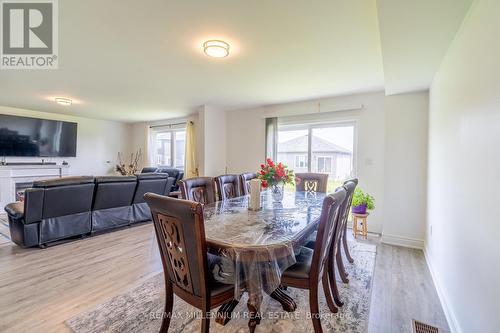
(172, 172)
(72, 206)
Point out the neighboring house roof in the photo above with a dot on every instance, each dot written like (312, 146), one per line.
(298, 145)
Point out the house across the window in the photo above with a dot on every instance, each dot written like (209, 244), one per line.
(325, 149)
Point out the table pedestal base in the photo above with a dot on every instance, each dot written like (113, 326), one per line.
(254, 314)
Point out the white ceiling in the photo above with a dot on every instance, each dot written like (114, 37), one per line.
(415, 36)
(135, 60)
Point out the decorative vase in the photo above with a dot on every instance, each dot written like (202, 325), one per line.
(277, 193)
(360, 209)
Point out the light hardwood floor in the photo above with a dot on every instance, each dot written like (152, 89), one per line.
(39, 289)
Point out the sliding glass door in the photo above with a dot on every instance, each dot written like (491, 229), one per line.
(325, 148)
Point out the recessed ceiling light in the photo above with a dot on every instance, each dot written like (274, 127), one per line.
(216, 48)
(63, 101)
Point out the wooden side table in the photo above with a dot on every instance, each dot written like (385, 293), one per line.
(363, 222)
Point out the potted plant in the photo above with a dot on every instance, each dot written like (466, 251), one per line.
(275, 176)
(362, 201)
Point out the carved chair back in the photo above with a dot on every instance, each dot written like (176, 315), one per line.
(228, 186)
(312, 182)
(180, 232)
(199, 189)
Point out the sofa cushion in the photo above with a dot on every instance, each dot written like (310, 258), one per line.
(15, 210)
(63, 181)
(149, 169)
(67, 200)
(115, 179)
(149, 182)
(152, 176)
(114, 191)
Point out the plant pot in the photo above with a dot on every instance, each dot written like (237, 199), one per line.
(360, 209)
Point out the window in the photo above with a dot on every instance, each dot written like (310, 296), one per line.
(332, 150)
(292, 144)
(301, 161)
(324, 164)
(323, 148)
(169, 147)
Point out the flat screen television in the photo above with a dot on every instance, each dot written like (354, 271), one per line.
(23, 136)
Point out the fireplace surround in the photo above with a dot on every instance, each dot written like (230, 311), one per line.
(15, 178)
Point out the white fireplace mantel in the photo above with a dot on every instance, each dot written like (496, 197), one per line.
(25, 173)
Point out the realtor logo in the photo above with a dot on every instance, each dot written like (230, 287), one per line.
(29, 34)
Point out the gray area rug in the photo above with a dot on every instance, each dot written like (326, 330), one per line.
(140, 309)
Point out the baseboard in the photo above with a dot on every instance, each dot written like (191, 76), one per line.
(448, 312)
(403, 241)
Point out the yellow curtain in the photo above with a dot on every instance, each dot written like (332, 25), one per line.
(147, 159)
(191, 168)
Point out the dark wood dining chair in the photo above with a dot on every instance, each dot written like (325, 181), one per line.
(245, 179)
(311, 182)
(312, 265)
(228, 186)
(343, 237)
(180, 233)
(335, 256)
(199, 189)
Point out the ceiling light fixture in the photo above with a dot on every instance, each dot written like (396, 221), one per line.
(216, 48)
(63, 101)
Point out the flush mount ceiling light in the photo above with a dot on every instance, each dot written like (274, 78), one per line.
(216, 48)
(63, 101)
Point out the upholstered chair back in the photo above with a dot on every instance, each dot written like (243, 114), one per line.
(329, 219)
(245, 179)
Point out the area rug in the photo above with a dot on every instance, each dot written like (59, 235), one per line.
(140, 309)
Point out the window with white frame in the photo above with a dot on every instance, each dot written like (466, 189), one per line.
(324, 164)
(300, 161)
(324, 148)
(168, 146)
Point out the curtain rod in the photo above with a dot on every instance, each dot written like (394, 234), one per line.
(183, 123)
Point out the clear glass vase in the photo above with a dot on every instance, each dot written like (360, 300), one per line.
(277, 193)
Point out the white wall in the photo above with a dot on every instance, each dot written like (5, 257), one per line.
(463, 228)
(246, 138)
(213, 147)
(98, 142)
(210, 138)
(405, 177)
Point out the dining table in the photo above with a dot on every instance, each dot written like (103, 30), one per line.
(261, 244)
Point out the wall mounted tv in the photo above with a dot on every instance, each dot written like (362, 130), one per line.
(23, 136)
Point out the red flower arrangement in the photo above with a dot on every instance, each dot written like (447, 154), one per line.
(275, 174)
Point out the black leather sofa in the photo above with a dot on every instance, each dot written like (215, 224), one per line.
(175, 173)
(74, 206)
(148, 182)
